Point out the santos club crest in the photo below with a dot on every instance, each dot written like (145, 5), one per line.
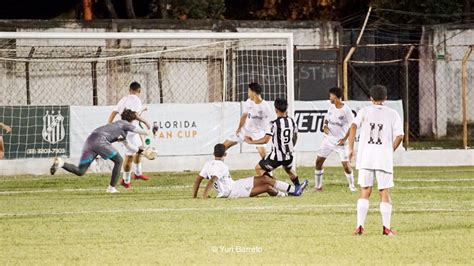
(53, 127)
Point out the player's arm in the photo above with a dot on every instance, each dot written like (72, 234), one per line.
(139, 118)
(264, 140)
(350, 118)
(112, 116)
(5, 127)
(197, 183)
(397, 142)
(352, 134)
(242, 121)
(141, 131)
(326, 127)
(295, 138)
(209, 185)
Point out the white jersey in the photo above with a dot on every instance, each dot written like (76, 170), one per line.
(339, 121)
(259, 116)
(131, 102)
(378, 126)
(224, 181)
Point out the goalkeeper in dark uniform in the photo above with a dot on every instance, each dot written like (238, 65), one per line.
(100, 142)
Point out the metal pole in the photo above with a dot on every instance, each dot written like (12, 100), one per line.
(349, 55)
(407, 106)
(464, 95)
(95, 100)
(27, 77)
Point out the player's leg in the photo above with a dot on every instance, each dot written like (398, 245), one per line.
(117, 160)
(384, 183)
(137, 141)
(127, 169)
(257, 190)
(282, 187)
(233, 139)
(366, 181)
(318, 173)
(2, 148)
(262, 151)
(107, 152)
(343, 152)
(288, 167)
(87, 157)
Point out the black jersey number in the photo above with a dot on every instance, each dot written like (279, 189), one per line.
(375, 133)
(286, 136)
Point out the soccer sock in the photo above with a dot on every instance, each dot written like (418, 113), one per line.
(350, 178)
(137, 168)
(362, 209)
(318, 178)
(126, 177)
(386, 211)
(117, 159)
(283, 186)
(281, 194)
(296, 181)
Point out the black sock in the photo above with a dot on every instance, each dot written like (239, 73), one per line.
(296, 181)
(117, 159)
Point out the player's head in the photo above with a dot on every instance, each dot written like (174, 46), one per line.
(281, 105)
(129, 115)
(135, 87)
(335, 94)
(254, 90)
(219, 151)
(378, 93)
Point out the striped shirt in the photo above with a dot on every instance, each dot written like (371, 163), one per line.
(283, 131)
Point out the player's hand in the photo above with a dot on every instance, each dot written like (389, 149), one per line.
(248, 139)
(326, 130)
(7, 129)
(341, 142)
(144, 109)
(147, 125)
(237, 132)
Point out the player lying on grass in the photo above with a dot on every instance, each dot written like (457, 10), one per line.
(217, 172)
(255, 120)
(283, 133)
(100, 142)
(8, 130)
(381, 133)
(336, 131)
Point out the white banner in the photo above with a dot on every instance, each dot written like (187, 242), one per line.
(193, 129)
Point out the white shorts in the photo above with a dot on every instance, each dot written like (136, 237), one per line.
(240, 138)
(135, 140)
(328, 146)
(241, 188)
(384, 179)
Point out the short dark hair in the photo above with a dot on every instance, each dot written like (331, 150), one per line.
(129, 115)
(336, 91)
(281, 105)
(134, 86)
(219, 150)
(378, 92)
(255, 87)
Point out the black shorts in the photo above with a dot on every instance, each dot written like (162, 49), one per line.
(269, 165)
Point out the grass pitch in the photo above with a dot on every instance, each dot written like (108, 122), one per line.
(71, 220)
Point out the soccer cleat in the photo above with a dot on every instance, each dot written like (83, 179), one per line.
(142, 177)
(316, 189)
(57, 163)
(352, 188)
(125, 185)
(111, 189)
(358, 231)
(299, 189)
(388, 232)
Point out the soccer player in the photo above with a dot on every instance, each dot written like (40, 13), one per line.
(217, 172)
(255, 120)
(381, 133)
(336, 131)
(132, 102)
(100, 142)
(8, 130)
(283, 133)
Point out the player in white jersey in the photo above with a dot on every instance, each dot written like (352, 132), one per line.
(217, 172)
(8, 130)
(381, 132)
(283, 133)
(336, 131)
(132, 102)
(255, 120)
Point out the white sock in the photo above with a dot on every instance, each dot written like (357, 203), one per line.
(285, 187)
(281, 194)
(318, 178)
(137, 168)
(350, 179)
(126, 177)
(362, 209)
(386, 211)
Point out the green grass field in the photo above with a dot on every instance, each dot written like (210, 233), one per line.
(71, 220)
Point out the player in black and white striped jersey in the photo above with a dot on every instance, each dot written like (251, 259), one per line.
(283, 133)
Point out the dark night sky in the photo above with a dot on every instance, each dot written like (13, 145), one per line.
(35, 9)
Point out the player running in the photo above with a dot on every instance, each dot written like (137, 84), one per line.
(100, 142)
(132, 102)
(217, 172)
(336, 131)
(283, 133)
(381, 133)
(8, 130)
(255, 120)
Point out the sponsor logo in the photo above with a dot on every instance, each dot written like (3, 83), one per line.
(53, 127)
(180, 129)
(310, 121)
